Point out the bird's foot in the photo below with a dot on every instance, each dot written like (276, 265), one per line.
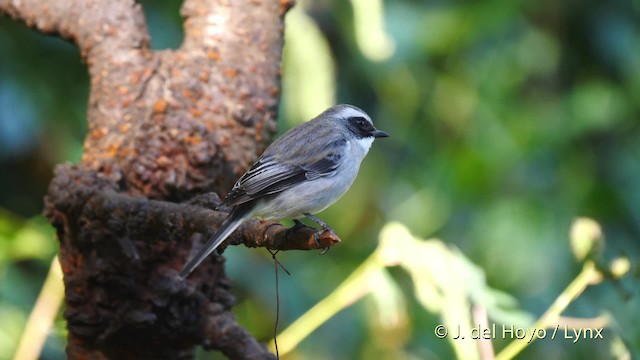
(316, 235)
(316, 238)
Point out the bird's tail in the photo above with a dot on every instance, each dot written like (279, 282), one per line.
(235, 219)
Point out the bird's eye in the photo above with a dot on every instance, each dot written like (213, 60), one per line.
(360, 126)
(361, 122)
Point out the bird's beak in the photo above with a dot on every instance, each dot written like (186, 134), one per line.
(379, 134)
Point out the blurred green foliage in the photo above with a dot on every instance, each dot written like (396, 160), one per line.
(508, 120)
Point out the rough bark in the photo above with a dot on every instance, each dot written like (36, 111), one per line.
(162, 126)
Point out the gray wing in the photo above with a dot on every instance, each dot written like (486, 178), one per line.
(268, 176)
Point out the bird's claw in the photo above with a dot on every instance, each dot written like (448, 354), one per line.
(316, 238)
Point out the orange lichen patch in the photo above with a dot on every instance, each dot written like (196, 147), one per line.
(187, 93)
(259, 128)
(224, 123)
(110, 30)
(260, 105)
(135, 77)
(204, 76)
(230, 72)
(193, 140)
(98, 133)
(124, 127)
(244, 94)
(195, 31)
(196, 113)
(163, 161)
(160, 106)
(213, 55)
(123, 90)
(210, 125)
(147, 72)
(125, 153)
(113, 149)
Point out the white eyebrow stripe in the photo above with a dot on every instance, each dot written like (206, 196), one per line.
(347, 112)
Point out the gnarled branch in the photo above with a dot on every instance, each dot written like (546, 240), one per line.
(131, 216)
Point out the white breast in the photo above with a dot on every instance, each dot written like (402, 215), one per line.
(365, 145)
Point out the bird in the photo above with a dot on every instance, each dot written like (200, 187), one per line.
(301, 173)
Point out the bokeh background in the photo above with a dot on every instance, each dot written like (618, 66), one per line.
(508, 120)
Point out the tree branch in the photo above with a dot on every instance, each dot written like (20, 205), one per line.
(100, 28)
(207, 24)
(134, 215)
(223, 333)
(196, 219)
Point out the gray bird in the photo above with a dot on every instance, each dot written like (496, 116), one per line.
(301, 173)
